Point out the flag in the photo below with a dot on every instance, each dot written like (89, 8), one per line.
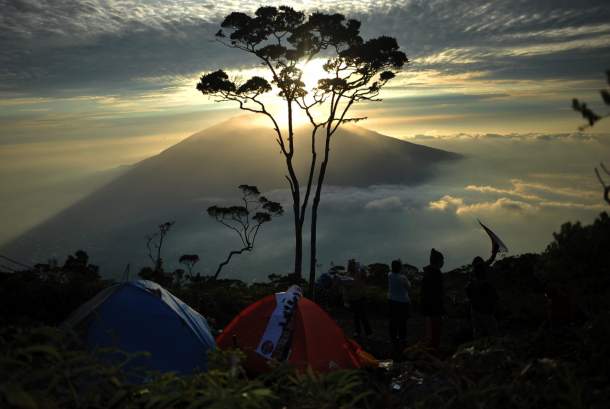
(496, 243)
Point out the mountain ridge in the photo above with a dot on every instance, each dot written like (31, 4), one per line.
(206, 167)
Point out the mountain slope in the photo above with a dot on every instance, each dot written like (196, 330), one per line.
(181, 182)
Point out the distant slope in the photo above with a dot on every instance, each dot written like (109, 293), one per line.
(182, 181)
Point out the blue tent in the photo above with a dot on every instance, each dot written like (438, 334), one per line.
(142, 316)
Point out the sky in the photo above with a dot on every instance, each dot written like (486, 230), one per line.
(89, 86)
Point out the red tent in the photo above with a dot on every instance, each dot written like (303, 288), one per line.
(317, 341)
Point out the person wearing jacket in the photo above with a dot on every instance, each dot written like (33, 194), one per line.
(398, 304)
(432, 295)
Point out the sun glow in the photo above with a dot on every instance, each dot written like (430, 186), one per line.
(312, 72)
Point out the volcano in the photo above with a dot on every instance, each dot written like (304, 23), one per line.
(204, 169)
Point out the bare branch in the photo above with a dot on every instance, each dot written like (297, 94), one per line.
(235, 229)
(606, 187)
(290, 183)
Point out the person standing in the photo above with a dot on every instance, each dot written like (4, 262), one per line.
(483, 299)
(432, 295)
(399, 305)
(355, 299)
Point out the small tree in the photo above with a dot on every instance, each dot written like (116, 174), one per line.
(592, 118)
(77, 267)
(189, 261)
(245, 220)
(154, 244)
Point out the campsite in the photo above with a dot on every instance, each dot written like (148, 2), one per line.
(534, 361)
(318, 205)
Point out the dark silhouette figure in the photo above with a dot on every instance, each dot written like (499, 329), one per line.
(399, 305)
(281, 39)
(245, 220)
(483, 300)
(432, 296)
(355, 294)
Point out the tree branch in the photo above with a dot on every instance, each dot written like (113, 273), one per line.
(606, 187)
(231, 254)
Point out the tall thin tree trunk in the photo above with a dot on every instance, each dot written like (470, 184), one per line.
(312, 169)
(314, 216)
(298, 250)
(296, 198)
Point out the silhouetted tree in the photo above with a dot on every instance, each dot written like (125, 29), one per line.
(282, 38)
(158, 276)
(178, 277)
(592, 118)
(154, 244)
(245, 220)
(357, 71)
(601, 180)
(586, 112)
(77, 267)
(189, 261)
(578, 258)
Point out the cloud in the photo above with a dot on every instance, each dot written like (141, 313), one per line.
(88, 44)
(512, 192)
(460, 207)
(528, 202)
(387, 203)
(532, 191)
(447, 202)
(501, 204)
(525, 137)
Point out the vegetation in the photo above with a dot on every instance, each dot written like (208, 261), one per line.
(587, 113)
(189, 261)
(592, 118)
(284, 40)
(154, 244)
(245, 220)
(537, 362)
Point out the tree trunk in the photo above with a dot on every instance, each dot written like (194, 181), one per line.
(231, 254)
(158, 266)
(312, 170)
(298, 248)
(296, 198)
(314, 217)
